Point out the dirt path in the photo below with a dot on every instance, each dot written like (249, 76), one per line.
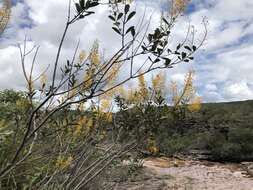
(163, 174)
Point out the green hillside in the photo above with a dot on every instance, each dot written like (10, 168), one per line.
(223, 130)
(235, 114)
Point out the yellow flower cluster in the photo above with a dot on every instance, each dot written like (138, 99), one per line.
(43, 80)
(188, 94)
(94, 54)
(158, 82)
(113, 73)
(79, 126)
(143, 91)
(152, 148)
(82, 56)
(109, 116)
(62, 162)
(105, 105)
(30, 85)
(189, 90)
(5, 15)
(174, 92)
(131, 96)
(179, 6)
(90, 124)
(94, 59)
(195, 105)
(83, 126)
(120, 91)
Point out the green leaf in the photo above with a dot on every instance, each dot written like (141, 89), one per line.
(159, 50)
(130, 15)
(164, 20)
(90, 4)
(82, 4)
(178, 46)
(89, 13)
(127, 7)
(116, 30)
(78, 8)
(132, 30)
(157, 60)
(116, 23)
(119, 16)
(144, 48)
(177, 53)
(183, 54)
(167, 61)
(150, 37)
(111, 17)
(188, 48)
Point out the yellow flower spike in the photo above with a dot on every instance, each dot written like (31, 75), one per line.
(195, 105)
(105, 105)
(121, 92)
(112, 74)
(87, 80)
(174, 92)
(79, 126)
(95, 62)
(59, 162)
(179, 6)
(62, 163)
(143, 91)
(188, 86)
(69, 161)
(90, 124)
(82, 56)
(5, 13)
(109, 117)
(73, 93)
(133, 96)
(158, 82)
(94, 54)
(43, 79)
(188, 91)
(153, 150)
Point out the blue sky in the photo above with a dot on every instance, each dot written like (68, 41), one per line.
(223, 67)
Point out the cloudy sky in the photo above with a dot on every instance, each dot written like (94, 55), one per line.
(224, 66)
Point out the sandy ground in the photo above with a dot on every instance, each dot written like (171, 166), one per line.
(201, 175)
(163, 174)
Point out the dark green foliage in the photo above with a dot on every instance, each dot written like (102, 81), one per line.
(223, 129)
(12, 104)
(236, 145)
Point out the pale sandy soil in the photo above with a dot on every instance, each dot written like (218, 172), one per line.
(163, 174)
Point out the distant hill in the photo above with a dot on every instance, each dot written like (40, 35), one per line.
(235, 114)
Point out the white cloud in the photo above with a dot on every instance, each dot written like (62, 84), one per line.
(237, 91)
(211, 87)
